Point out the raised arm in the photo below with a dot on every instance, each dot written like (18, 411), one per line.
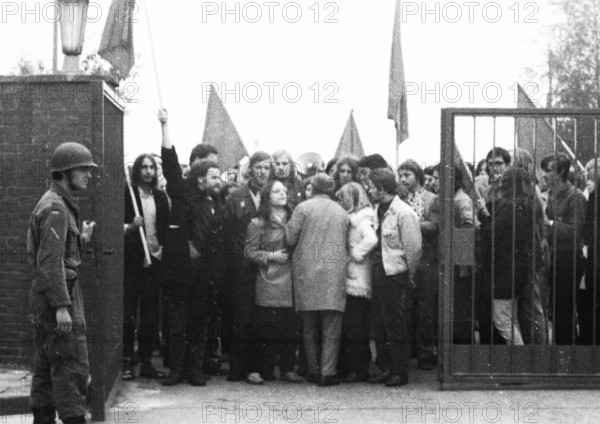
(163, 117)
(171, 167)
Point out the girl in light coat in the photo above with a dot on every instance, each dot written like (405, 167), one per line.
(355, 352)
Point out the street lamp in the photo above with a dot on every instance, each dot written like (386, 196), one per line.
(73, 16)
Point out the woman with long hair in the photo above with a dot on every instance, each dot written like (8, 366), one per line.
(346, 171)
(275, 316)
(355, 353)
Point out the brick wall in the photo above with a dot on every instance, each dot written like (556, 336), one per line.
(35, 116)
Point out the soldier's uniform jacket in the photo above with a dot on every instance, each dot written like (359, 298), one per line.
(54, 253)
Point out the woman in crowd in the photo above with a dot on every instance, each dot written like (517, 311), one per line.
(355, 353)
(346, 171)
(307, 189)
(275, 316)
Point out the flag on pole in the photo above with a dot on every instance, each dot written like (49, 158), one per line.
(468, 183)
(543, 142)
(116, 45)
(397, 109)
(350, 143)
(220, 132)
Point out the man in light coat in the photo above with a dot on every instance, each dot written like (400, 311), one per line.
(395, 261)
(319, 231)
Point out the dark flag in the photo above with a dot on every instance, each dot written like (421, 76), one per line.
(116, 45)
(542, 144)
(350, 143)
(467, 177)
(220, 132)
(397, 107)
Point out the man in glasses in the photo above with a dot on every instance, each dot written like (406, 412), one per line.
(497, 162)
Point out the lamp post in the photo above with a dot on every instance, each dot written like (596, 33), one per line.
(73, 16)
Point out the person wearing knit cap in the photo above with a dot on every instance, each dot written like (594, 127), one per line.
(426, 206)
(241, 207)
(319, 231)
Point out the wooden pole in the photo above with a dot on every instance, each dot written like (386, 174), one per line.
(151, 40)
(147, 260)
(55, 42)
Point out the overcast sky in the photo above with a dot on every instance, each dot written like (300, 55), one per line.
(340, 63)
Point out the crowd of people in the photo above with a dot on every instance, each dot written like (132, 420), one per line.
(331, 273)
(326, 274)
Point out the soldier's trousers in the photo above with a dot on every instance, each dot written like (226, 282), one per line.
(61, 372)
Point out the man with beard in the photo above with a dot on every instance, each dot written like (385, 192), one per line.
(242, 206)
(141, 284)
(193, 301)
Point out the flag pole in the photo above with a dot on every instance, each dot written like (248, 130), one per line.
(160, 98)
(398, 137)
(55, 42)
(136, 211)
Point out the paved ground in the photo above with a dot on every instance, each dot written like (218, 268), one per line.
(147, 402)
(14, 382)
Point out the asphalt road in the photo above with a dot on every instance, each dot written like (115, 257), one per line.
(147, 402)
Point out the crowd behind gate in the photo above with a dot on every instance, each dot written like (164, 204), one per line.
(329, 273)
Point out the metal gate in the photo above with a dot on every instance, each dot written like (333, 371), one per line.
(519, 300)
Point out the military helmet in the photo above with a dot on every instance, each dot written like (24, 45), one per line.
(310, 163)
(70, 156)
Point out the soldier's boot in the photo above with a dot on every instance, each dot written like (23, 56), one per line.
(44, 415)
(74, 420)
(196, 362)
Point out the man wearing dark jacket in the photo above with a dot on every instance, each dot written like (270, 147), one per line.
(142, 279)
(241, 208)
(565, 213)
(200, 222)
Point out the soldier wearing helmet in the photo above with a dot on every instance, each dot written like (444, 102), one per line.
(54, 243)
